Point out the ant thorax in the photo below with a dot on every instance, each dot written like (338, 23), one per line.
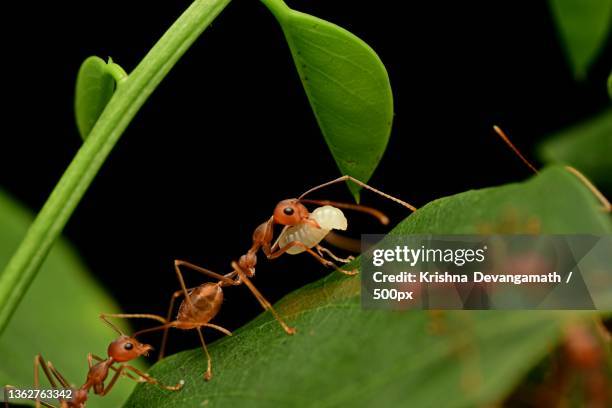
(327, 216)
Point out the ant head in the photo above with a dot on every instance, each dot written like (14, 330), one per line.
(127, 348)
(291, 212)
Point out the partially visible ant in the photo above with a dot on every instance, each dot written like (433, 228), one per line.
(607, 207)
(120, 351)
(578, 367)
(582, 352)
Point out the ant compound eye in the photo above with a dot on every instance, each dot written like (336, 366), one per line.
(128, 346)
(288, 210)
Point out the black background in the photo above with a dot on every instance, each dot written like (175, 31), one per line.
(229, 132)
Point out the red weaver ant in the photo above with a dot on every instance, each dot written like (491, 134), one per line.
(302, 231)
(120, 351)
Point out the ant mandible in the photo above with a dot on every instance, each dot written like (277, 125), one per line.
(120, 351)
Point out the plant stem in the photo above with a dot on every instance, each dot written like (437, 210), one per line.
(121, 109)
(278, 8)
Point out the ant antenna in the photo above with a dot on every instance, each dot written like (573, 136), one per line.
(363, 185)
(607, 207)
(506, 139)
(598, 194)
(139, 316)
(111, 325)
(379, 215)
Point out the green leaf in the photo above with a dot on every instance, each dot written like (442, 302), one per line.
(610, 85)
(343, 355)
(347, 86)
(586, 146)
(583, 26)
(95, 85)
(59, 315)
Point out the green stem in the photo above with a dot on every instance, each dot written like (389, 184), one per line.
(278, 8)
(122, 107)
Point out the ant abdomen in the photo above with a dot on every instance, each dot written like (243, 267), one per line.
(206, 300)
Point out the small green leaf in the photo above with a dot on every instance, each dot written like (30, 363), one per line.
(347, 86)
(58, 317)
(343, 355)
(586, 146)
(583, 26)
(96, 83)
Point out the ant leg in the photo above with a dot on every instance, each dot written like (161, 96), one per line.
(162, 349)
(361, 184)
(319, 258)
(379, 215)
(144, 377)
(62, 381)
(50, 373)
(57, 375)
(322, 250)
(219, 328)
(39, 362)
(225, 279)
(262, 300)
(343, 242)
(37, 378)
(37, 365)
(179, 276)
(208, 372)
